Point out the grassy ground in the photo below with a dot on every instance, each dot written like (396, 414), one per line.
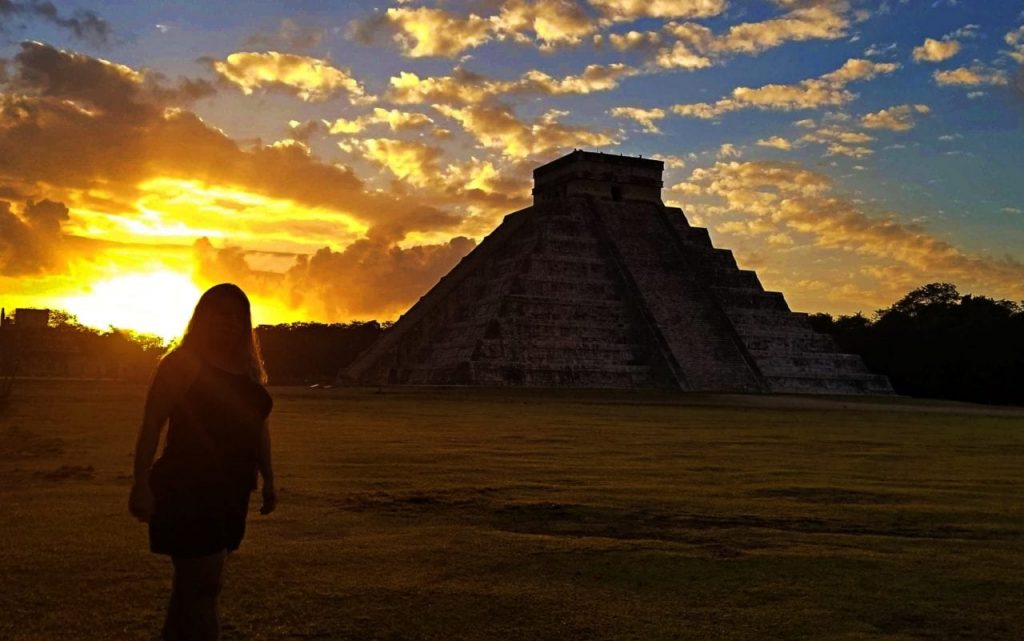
(454, 514)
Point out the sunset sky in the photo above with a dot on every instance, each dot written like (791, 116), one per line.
(336, 159)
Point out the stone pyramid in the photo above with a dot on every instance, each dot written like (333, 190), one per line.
(599, 284)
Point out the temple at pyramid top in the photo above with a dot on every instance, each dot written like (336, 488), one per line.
(605, 176)
(599, 284)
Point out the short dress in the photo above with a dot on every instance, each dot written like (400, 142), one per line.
(202, 481)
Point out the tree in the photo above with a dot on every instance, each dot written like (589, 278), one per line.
(937, 343)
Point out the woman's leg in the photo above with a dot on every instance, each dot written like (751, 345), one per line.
(192, 611)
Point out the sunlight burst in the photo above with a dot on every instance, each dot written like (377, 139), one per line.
(158, 302)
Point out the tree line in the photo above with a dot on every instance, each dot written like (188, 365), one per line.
(938, 343)
(933, 343)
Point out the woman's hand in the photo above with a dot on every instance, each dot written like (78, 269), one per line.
(141, 502)
(269, 498)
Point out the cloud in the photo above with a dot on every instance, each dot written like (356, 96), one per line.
(396, 119)
(430, 31)
(826, 90)
(461, 87)
(973, 76)
(764, 198)
(552, 23)
(467, 87)
(644, 117)
(899, 118)
(629, 10)
(372, 278)
(84, 25)
(778, 142)
(411, 161)
(426, 31)
(1015, 39)
(697, 46)
(495, 126)
(98, 85)
(629, 41)
(311, 79)
(839, 149)
(290, 36)
(936, 50)
(32, 242)
(728, 150)
(672, 162)
(879, 50)
(547, 24)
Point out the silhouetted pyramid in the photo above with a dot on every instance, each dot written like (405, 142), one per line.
(598, 284)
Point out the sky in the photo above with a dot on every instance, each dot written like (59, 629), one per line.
(336, 159)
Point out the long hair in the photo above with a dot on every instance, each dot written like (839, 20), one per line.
(195, 338)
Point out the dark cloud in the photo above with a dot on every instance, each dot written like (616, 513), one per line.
(43, 70)
(371, 278)
(84, 25)
(32, 242)
(307, 130)
(47, 71)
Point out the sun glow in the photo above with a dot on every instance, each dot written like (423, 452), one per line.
(158, 302)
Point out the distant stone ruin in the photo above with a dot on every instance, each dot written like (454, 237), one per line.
(600, 285)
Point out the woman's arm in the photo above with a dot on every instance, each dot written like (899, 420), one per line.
(173, 376)
(266, 471)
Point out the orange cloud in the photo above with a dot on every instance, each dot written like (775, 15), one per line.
(627, 10)
(762, 198)
(414, 162)
(468, 87)
(310, 79)
(32, 241)
(970, 77)
(645, 117)
(697, 46)
(936, 50)
(827, 90)
(1015, 39)
(495, 126)
(778, 142)
(899, 118)
(425, 31)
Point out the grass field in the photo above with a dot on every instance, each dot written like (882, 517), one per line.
(475, 514)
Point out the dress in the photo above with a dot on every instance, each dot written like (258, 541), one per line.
(203, 478)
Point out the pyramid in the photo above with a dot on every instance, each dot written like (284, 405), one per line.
(600, 285)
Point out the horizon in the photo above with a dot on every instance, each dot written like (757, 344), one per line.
(336, 162)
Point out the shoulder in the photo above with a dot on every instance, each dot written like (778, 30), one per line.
(177, 369)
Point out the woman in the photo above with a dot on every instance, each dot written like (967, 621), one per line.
(195, 497)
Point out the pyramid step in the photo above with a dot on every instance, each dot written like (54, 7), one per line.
(749, 298)
(847, 384)
(770, 344)
(748, 321)
(810, 364)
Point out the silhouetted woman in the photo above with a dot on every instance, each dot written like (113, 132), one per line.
(196, 496)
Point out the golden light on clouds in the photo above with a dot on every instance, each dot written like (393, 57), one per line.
(173, 209)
